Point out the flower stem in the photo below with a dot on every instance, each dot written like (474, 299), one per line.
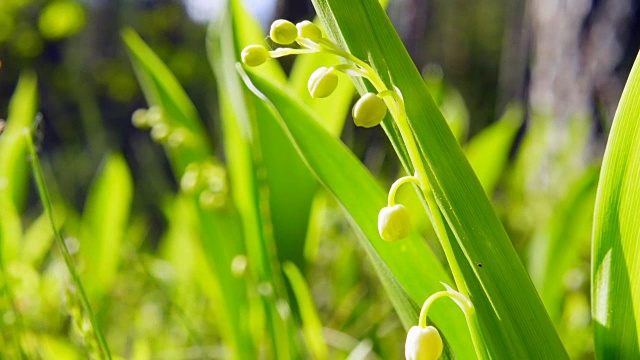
(396, 185)
(46, 203)
(469, 313)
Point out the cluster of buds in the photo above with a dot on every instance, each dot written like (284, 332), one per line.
(160, 130)
(208, 181)
(371, 108)
(368, 111)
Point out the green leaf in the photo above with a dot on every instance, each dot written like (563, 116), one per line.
(559, 245)
(512, 318)
(105, 218)
(615, 269)
(312, 326)
(408, 269)
(488, 152)
(13, 167)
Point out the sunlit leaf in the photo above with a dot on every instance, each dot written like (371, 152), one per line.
(615, 269)
(513, 321)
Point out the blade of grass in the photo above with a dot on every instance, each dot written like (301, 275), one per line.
(512, 317)
(105, 219)
(75, 278)
(311, 324)
(408, 270)
(615, 269)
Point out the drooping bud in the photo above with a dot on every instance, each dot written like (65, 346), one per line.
(254, 55)
(394, 222)
(283, 32)
(369, 110)
(309, 30)
(322, 82)
(423, 344)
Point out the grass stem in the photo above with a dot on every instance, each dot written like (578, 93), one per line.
(75, 278)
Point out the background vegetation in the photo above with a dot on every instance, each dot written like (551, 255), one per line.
(529, 90)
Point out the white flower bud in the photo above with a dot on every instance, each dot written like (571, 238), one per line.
(423, 344)
(394, 222)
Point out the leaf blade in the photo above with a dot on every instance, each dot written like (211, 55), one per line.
(615, 270)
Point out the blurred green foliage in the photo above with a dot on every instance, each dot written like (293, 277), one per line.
(139, 241)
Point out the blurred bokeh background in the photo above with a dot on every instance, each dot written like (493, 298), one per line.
(564, 62)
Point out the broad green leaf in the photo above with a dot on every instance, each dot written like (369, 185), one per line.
(558, 246)
(105, 218)
(488, 152)
(513, 321)
(222, 236)
(311, 324)
(615, 269)
(408, 269)
(13, 167)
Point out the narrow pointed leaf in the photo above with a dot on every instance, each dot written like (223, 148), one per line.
(106, 217)
(13, 167)
(615, 268)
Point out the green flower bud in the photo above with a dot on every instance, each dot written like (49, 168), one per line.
(394, 222)
(423, 344)
(190, 179)
(369, 110)
(154, 116)
(322, 83)
(139, 119)
(283, 32)
(160, 132)
(309, 30)
(254, 55)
